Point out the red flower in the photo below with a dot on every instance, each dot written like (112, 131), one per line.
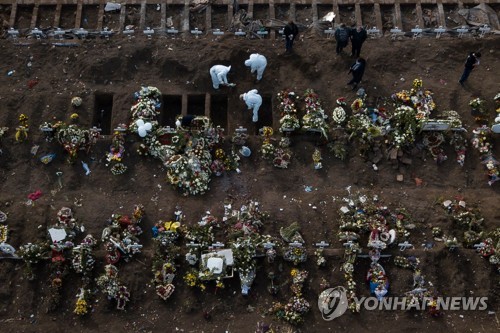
(35, 195)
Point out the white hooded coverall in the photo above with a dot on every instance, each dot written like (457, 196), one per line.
(253, 101)
(219, 75)
(257, 62)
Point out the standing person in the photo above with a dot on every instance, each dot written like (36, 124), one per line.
(257, 63)
(470, 63)
(357, 70)
(358, 37)
(291, 31)
(253, 101)
(341, 37)
(219, 75)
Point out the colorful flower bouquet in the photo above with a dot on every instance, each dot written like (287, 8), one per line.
(482, 142)
(315, 117)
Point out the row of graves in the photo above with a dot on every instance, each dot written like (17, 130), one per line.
(204, 255)
(195, 152)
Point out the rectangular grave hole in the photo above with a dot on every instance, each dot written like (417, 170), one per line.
(174, 16)
(133, 15)
(219, 17)
(218, 110)
(408, 17)
(103, 111)
(260, 12)
(90, 15)
(430, 16)
(368, 16)
(303, 14)
(171, 108)
(452, 18)
(153, 16)
(265, 112)
(46, 16)
(347, 15)
(111, 20)
(68, 17)
(282, 12)
(388, 17)
(23, 16)
(196, 105)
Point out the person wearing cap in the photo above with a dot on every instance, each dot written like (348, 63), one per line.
(341, 37)
(253, 101)
(470, 63)
(257, 63)
(219, 75)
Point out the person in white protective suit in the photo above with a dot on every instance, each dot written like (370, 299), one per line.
(257, 62)
(219, 75)
(253, 101)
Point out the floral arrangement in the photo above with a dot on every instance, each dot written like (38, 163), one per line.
(32, 253)
(482, 142)
(185, 152)
(282, 158)
(72, 138)
(314, 118)
(120, 238)
(477, 104)
(320, 258)
(3, 233)
(339, 116)
(287, 109)
(361, 214)
(316, 157)
(82, 305)
(293, 312)
(22, 128)
(116, 152)
(109, 284)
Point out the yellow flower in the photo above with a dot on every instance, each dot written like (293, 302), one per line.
(171, 226)
(3, 233)
(294, 272)
(74, 116)
(81, 307)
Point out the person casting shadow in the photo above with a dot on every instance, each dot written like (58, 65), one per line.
(357, 70)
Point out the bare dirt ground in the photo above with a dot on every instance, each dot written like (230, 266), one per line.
(119, 67)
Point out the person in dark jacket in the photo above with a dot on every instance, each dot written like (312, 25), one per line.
(357, 70)
(358, 37)
(290, 32)
(470, 63)
(341, 37)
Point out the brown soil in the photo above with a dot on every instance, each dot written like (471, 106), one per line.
(119, 67)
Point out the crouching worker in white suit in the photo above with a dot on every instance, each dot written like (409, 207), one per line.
(219, 75)
(257, 62)
(253, 101)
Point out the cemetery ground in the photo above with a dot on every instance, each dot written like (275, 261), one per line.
(105, 74)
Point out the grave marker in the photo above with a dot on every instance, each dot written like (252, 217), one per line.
(37, 33)
(129, 33)
(396, 32)
(405, 245)
(373, 32)
(82, 33)
(240, 33)
(148, 32)
(196, 32)
(417, 32)
(484, 30)
(439, 31)
(106, 33)
(13, 33)
(461, 31)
